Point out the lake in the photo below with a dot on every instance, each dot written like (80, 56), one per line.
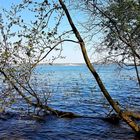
(73, 88)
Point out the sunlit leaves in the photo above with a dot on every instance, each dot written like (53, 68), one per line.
(25, 42)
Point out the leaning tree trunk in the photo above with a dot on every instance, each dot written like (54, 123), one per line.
(118, 110)
(136, 69)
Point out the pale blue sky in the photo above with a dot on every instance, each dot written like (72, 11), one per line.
(70, 50)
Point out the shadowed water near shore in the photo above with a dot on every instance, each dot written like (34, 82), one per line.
(53, 128)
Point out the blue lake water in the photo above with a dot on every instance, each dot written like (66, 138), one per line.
(73, 88)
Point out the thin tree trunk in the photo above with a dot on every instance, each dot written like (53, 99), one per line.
(137, 72)
(131, 123)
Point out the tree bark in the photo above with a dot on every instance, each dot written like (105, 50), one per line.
(118, 110)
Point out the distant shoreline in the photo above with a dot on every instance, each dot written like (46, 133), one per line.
(63, 64)
(82, 64)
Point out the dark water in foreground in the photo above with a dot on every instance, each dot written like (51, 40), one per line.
(73, 89)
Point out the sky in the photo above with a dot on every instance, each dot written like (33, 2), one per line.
(71, 51)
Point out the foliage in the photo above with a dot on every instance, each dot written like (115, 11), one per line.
(118, 22)
(122, 35)
(26, 42)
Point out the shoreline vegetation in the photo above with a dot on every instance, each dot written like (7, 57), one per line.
(5, 116)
